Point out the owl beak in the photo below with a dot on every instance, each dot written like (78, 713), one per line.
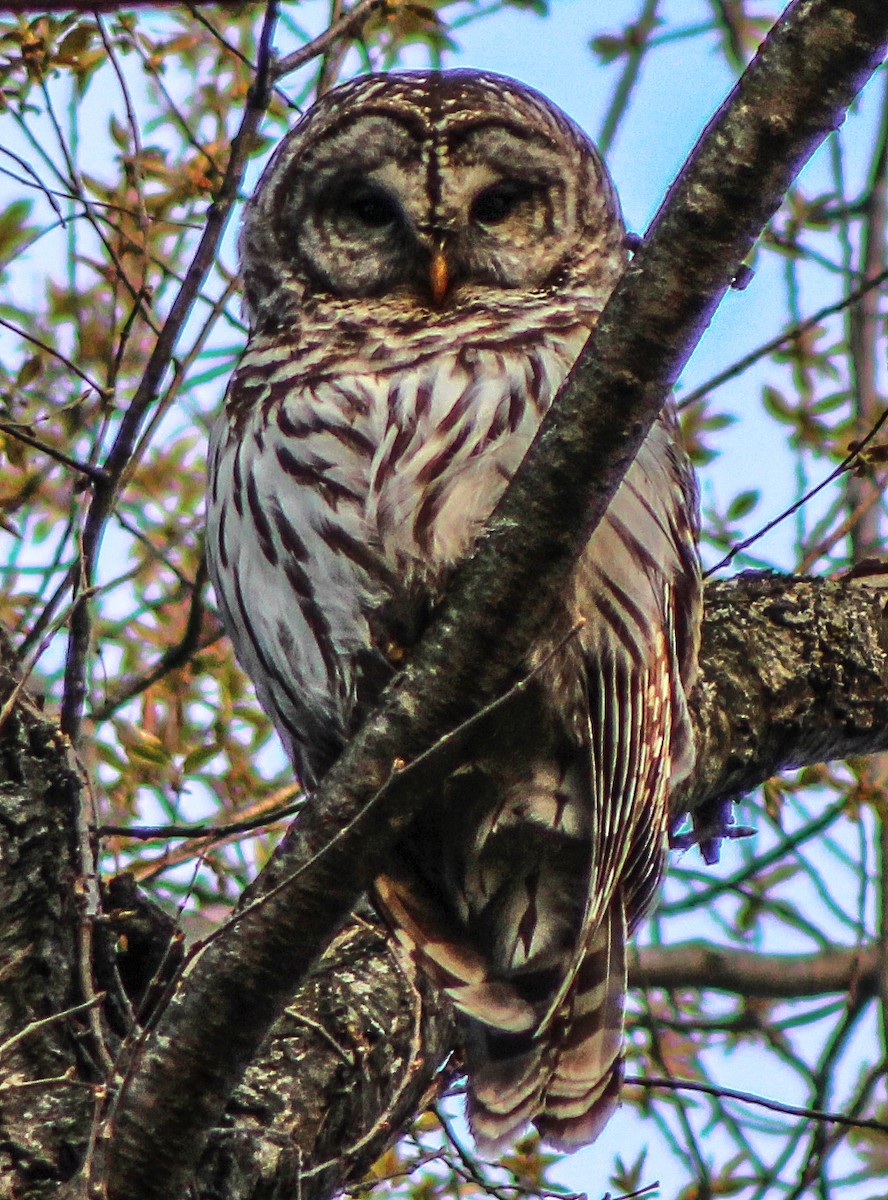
(439, 276)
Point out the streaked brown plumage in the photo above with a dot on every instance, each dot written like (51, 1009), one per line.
(424, 258)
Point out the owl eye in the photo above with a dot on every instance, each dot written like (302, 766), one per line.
(371, 207)
(499, 201)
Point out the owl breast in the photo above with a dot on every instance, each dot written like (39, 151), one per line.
(365, 489)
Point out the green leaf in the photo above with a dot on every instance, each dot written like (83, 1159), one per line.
(14, 228)
(74, 43)
(742, 504)
(199, 758)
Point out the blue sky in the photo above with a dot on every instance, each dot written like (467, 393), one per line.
(681, 85)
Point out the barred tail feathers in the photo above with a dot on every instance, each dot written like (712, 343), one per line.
(451, 962)
(566, 1081)
(584, 1086)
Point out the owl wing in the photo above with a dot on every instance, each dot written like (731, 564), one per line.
(544, 983)
(640, 578)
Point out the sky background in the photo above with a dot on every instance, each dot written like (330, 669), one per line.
(680, 86)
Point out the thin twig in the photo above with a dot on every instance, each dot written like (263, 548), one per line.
(53, 352)
(835, 535)
(345, 25)
(233, 50)
(470, 1168)
(33, 1027)
(181, 368)
(171, 659)
(792, 1110)
(35, 182)
(792, 334)
(155, 554)
(66, 1080)
(147, 833)
(26, 670)
(15, 431)
(847, 462)
(121, 452)
(35, 633)
(51, 193)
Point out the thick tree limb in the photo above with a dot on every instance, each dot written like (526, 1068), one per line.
(792, 671)
(40, 953)
(351, 1061)
(795, 92)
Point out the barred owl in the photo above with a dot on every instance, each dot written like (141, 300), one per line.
(423, 260)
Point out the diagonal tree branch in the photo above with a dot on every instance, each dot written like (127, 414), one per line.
(793, 671)
(794, 93)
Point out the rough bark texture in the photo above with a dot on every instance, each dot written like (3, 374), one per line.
(344, 1069)
(43, 1128)
(793, 671)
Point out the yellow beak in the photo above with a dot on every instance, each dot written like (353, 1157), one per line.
(439, 278)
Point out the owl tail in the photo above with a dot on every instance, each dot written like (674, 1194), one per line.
(564, 1078)
(568, 1081)
(454, 965)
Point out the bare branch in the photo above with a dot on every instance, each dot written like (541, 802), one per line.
(711, 1089)
(347, 24)
(119, 458)
(746, 973)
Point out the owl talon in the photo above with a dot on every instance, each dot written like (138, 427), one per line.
(712, 824)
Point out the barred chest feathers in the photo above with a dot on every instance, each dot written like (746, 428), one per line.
(368, 484)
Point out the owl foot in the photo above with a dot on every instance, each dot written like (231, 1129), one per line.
(712, 822)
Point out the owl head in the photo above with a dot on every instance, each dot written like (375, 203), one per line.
(434, 188)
